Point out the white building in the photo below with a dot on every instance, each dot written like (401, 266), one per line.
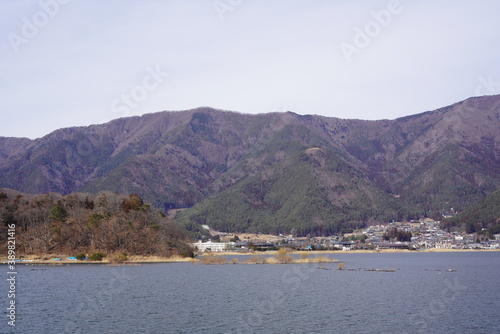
(212, 246)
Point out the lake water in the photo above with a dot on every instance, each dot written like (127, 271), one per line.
(421, 296)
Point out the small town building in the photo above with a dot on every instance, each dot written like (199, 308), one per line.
(210, 246)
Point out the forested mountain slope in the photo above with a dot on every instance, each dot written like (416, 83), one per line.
(273, 172)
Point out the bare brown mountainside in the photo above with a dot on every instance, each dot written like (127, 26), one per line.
(356, 170)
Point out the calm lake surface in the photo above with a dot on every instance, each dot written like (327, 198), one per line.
(421, 296)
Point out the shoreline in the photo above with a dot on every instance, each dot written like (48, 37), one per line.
(137, 259)
(132, 260)
(358, 251)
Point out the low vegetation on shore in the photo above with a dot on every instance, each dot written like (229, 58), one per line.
(282, 257)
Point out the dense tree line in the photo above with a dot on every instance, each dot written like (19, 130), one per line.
(482, 218)
(86, 223)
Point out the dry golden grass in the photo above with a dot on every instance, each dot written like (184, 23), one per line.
(35, 257)
(317, 259)
(154, 258)
(304, 257)
(272, 260)
(213, 259)
(117, 257)
(255, 260)
(283, 256)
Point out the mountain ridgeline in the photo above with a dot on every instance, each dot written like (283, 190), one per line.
(276, 172)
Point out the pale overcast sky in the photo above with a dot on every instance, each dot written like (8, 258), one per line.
(70, 63)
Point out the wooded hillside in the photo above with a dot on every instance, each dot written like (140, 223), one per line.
(86, 223)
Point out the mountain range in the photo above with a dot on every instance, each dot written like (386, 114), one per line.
(275, 172)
